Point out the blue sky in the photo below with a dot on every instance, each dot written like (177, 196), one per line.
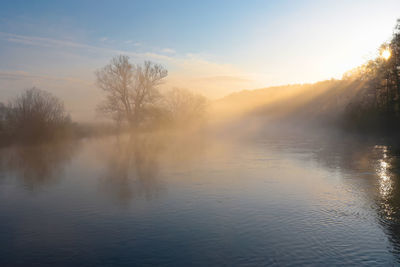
(213, 47)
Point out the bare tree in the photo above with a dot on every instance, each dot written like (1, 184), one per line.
(183, 106)
(35, 114)
(130, 88)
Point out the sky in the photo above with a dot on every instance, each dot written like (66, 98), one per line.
(211, 47)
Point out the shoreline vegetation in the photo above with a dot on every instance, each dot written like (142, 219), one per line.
(365, 101)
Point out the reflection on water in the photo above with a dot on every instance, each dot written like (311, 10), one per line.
(377, 167)
(36, 165)
(385, 181)
(133, 162)
(201, 199)
(389, 189)
(384, 174)
(132, 168)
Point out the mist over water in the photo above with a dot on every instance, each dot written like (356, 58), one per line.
(143, 134)
(280, 195)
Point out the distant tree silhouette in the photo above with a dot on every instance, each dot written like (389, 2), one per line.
(183, 106)
(378, 104)
(35, 115)
(131, 89)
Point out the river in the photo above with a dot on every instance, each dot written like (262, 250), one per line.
(201, 199)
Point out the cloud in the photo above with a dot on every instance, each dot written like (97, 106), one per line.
(41, 41)
(23, 75)
(193, 64)
(168, 51)
(57, 43)
(209, 78)
(224, 79)
(12, 76)
(133, 43)
(197, 72)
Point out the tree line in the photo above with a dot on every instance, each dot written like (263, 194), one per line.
(132, 99)
(377, 105)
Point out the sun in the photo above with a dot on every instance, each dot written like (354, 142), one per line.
(386, 54)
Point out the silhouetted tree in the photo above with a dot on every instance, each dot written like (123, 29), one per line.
(131, 89)
(35, 114)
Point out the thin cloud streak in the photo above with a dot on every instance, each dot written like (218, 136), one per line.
(23, 75)
(191, 71)
(224, 79)
(50, 42)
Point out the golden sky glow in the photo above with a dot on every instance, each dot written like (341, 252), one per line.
(239, 46)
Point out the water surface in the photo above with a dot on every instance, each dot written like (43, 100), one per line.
(200, 199)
